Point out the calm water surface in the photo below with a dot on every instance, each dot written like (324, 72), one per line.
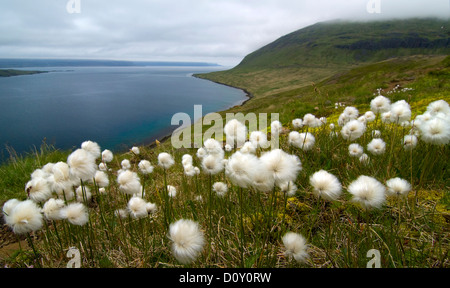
(116, 107)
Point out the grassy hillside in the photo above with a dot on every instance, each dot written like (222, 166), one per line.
(317, 52)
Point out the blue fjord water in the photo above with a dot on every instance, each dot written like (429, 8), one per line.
(116, 107)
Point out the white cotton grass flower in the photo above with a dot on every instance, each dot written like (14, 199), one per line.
(376, 133)
(102, 166)
(61, 175)
(409, 142)
(38, 190)
(377, 146)
(129, 182)
(82, 165)
(187, 160)
(276, 128)
(75, 213)
(24, 217)
(332, 126)
(83, 194)
(351, 112)
(370, 116)
(400, 112)
(380, 104)
(240, 168)
(364, 159)
(213, 147)
(101, 179)
(439, 106)
(107, 156)
(386, 117)
(398, 187)
(436, 131)
(172, 191)
(248, 148)
(289, 188)
(137, 207)
(145, 167)
(259, 139)
(368, 192)
(228, 147)
(187, 240)
(353, 129)
(304, 141)
(135, 150)
(125, 164)
(52, 209)
(295, 247)
(212, 164)
(355, 150)
(220, 188)
(189, 170)
(235, 132)
(92, 147)
(326, 185)
(297, 123)
(283, 166)
(165, 160)
(310, 120)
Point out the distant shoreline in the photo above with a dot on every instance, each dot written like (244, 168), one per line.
(166, 136)
(14, 72)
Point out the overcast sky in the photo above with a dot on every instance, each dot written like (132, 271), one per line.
(217, 31)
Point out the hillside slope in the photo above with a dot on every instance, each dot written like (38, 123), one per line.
(314, 53)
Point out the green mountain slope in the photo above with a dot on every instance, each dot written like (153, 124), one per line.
(314, 53)
(350, 43)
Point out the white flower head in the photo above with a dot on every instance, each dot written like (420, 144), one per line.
(436, 131)
(107, 156)
(439, 106)
(137, 207)
(52, 209)
(400, 112)
(380, 104)
(240, 168)
(129, 182)
(351, 112)
(165, 160)
(38, 189)
(283, 166)
(172, 191)
(377, 146)
(259, 139)
(295, 246)
(135, 150)
(368, 192)
(25, 217)
(145, 167)
(75, 213)
(276, 127)
(125, 164)
(220, 188)
(101, 179)
(212, 164)
(289, 188)
(398, 187)
(353, 129)
(326, 185)
(235, 132)
(187, 240)
(82, 165)
(92, 147)
(355, 150)
(297, 123)
(409, 142)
